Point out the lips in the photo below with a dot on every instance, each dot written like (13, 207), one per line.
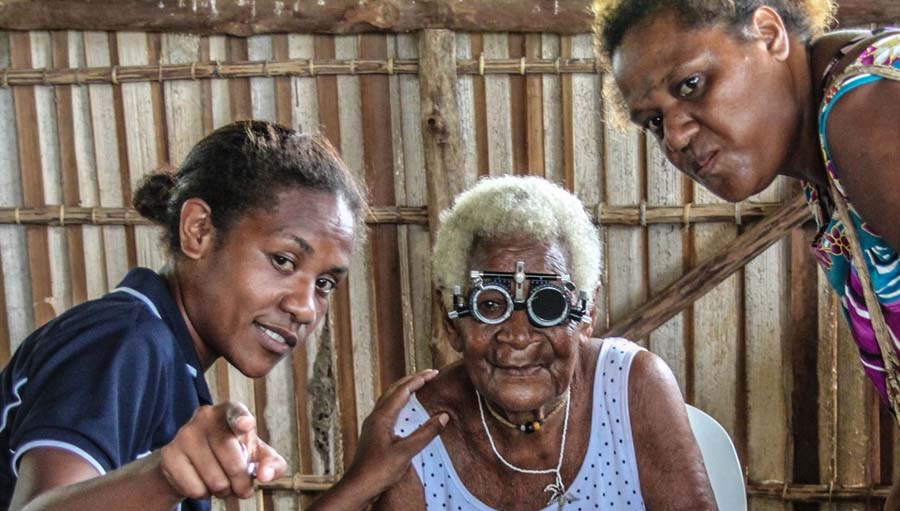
(704, 164)
(278, 335)
(519, 371)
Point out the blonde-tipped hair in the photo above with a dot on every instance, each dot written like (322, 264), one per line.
(515, 206)
(613, 18)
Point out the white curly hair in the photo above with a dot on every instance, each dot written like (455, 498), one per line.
(515, 206)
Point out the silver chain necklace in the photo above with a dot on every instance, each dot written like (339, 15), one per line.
(557, 489)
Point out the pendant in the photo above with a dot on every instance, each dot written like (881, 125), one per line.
(558, 494)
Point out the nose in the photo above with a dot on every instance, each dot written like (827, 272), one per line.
(678, 130)
(300, 302)
(517, 331)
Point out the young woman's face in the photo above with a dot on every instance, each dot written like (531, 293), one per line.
(721, 108)
(266, 286)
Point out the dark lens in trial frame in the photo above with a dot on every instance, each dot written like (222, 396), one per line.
(548, 306)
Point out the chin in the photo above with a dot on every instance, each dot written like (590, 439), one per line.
(253, 370)
(732, 190)
(521, 400)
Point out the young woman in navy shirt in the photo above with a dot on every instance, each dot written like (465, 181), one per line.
(106, 405)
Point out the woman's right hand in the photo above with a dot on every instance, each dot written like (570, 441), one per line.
(210, 455)
(382, 457)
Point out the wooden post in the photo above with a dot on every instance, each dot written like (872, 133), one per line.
(441, 141)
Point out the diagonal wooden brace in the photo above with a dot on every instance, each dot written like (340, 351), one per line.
(712, 271)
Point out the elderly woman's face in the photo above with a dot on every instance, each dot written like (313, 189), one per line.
(515, 364)
(721, 108)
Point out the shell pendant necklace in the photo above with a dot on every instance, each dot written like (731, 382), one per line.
(557, 489)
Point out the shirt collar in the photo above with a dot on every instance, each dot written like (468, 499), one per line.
(154, 287)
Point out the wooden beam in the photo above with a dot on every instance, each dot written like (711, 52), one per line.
(775, 490)
(441, 142)
(712, 271)
(242, 18)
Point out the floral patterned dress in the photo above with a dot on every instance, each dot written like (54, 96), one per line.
(831, 245)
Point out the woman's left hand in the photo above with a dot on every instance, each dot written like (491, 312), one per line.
(381, 456)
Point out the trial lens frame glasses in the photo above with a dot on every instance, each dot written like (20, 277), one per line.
(548, 305)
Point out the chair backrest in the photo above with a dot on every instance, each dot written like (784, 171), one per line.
(722, 463)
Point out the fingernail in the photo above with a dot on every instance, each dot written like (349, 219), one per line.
(443, 419)
(433, 371)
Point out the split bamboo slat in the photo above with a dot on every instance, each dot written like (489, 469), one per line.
(339, 352)
(521, 121)
(718, 334)
(766, 361)
(415, 244)
(551, 90)
(666, 261)
(465, 130)
(498, 110)
(68, 162)
(624, 183)
(108, 160)
(363, 353)
(29, 147)
(380, 177)
(585, 143)
(534, 125)
(18, 311)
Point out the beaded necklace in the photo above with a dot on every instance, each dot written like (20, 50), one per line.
(526, 427)
(557, 489)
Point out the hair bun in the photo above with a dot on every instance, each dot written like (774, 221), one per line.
(151, 199)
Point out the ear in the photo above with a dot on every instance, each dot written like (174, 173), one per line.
(768, 27)
(591, 327)
(448, 327)
(196, 228)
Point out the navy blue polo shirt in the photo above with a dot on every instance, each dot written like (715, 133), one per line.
(109, 380)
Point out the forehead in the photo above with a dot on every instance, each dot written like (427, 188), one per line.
(317, 217)
(501, 254)
(656, 50)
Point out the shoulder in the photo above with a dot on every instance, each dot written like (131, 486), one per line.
(95, 334)
(446, 392)
(826, 48)
(652, 387)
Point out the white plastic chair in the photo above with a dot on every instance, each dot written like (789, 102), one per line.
(722, 463)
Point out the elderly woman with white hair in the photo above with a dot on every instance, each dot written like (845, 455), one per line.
(542, 415)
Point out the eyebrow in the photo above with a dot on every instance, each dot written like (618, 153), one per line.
(699, 59)
(303, 244)
(309, 250)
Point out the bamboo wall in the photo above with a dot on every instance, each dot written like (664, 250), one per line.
(765, 352)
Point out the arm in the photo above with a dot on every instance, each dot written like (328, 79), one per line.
(206, 457)
(382, 459)
(407, 494)
(863, 130)
(673, 477)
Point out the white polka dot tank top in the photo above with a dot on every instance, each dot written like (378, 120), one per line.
(608, 477)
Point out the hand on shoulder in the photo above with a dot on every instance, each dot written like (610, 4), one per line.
(382, 458)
